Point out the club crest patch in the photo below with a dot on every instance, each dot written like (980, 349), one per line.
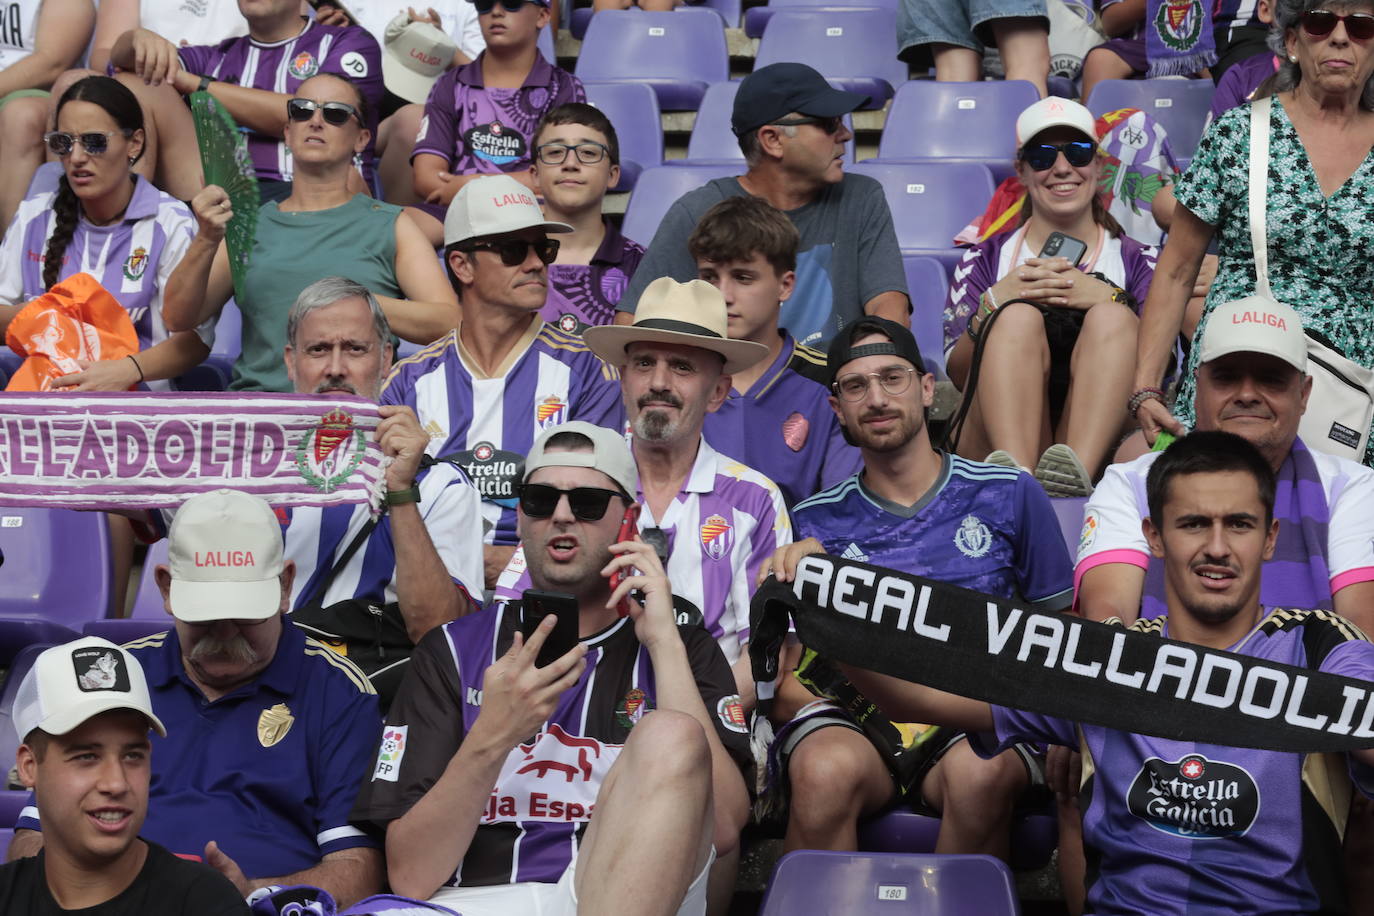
(99, 669)
(717, 537)
(551, 411)
(136, 263)
(330, 453)
(304, 65)
(730, 712)
(632, 708)
(973, 537)
(1179, 23)
(273, 724)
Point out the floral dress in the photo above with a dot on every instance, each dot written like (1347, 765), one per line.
(1321, 249)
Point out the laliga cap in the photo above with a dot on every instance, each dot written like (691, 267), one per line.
(610, 454)
(225, 552)
(415, 55)
(71, 683)
(493, 205)
(1054, 112)
(1255, 324)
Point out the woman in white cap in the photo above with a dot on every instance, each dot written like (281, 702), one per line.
(1045, 379)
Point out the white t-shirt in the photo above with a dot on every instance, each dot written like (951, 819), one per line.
(459, 19)
(193, 22)
(18, 30)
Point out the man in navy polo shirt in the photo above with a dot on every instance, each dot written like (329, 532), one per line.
(270, 733)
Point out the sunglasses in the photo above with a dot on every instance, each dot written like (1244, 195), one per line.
(514, 251)
(335, 113)
(830, 125)
(539, 500)
(588, 152)
(1321, 23)
(510, 6)
(95, 143)
(1041, 156)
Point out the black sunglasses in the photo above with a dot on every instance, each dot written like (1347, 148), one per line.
(486, 6)
(335, 113)
(830, 125)
(539, 500)
(1041, 156)
(95, 143)
(514, 251)
(1321, 23)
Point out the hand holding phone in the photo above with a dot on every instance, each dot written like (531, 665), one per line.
(535, 605)
(1059, 245)
(629, 528)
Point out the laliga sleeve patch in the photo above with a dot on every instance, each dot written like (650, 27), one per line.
(1089, 532)
(730, 711)
(354, 64)
(99, 669)
(390, 754)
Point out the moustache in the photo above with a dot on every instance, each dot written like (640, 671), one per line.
(335, 383)
(660, 398)
(234, 649)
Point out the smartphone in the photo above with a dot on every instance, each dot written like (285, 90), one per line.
(1059, 245)
(629, 527)
(535, 605)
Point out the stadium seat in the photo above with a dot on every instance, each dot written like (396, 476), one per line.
(929, 287)
(713, 139)
(931, 202)
(1034, 835)
(659, 188)
(1180, 106)
(545, 45)
(6, 835)
(11, 803)
(756, 18)
(815, 881)
(855, 49)
(57, 575)
(9, 741)
(633, 111)
(956, 122)
(676, 54)
(1069, 511)
(148, 614)
(729, 11)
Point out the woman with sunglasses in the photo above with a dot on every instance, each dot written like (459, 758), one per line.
(321, 229)
(1319, 218)
(106, 221)
(1045, 382)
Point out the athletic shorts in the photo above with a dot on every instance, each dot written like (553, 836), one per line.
(1131, 51)
(532, 898)
(961, 23)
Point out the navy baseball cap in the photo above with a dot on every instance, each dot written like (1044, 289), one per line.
(774, 91)
(901, 344)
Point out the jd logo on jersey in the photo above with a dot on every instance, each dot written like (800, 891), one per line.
(1194, 797)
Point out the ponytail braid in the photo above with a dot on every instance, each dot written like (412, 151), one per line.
(65, 211)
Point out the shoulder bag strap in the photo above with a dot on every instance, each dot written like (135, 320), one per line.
(358, 540)
(1259, 181)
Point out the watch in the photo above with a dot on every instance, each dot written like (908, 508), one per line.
(401, 497)
(204, 85)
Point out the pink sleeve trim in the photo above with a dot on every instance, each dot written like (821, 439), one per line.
(1131, 557)
(1351, 577)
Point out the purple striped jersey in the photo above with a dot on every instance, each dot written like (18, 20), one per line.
(1325, 508)
(724, 522)
(544, 795)
(488, 423)
(132, 258)
(281, 66)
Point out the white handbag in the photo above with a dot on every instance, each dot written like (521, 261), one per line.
(1341, 405)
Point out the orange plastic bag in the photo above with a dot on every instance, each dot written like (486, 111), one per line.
(76, 319)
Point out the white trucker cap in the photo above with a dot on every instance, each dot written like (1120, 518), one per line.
(73, 682)
(1255, 324)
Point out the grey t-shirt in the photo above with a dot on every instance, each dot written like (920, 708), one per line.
(848, 253)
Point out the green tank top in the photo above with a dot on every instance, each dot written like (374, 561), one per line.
(294, 249)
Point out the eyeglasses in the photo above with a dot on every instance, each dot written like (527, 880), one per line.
(830, 125)
(588, 152)
(1041, 156)
(510, 6)
(894, 380)
(335, 113)
(95, 143)
(514, 251)
(538, 500)
(1321, 23)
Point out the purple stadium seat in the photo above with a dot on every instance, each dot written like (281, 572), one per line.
(729, 11)
(713, 140)
(1033, 835)
(677, 54)
(633, 111)
(956, 122)
(855, 49)
(931, 202)
(1069, 511)
(217, 371)
(545, 45)
(659, 188)
(11, 803)
(756, 18)
(929, 287)
(1180, 106)
(6, 835)
(9, 741)
(148, 614)
(56, 576)
(813, 881)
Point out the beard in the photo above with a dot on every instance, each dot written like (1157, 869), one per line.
(889, 440)
(654, 425)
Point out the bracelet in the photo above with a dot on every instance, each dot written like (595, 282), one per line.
(138, 367)
(991, 299)
(402, 497)
(1140, 396)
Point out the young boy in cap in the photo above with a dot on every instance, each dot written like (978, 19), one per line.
(83, 714)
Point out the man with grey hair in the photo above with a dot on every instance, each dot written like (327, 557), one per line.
(791, 129)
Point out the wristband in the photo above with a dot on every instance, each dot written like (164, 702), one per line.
(1140, 396)
(204, 85)
(138, 367)
(402, 497)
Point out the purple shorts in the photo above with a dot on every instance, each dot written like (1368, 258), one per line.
(1131, 50)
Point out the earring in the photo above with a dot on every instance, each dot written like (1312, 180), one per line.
(132, 160)
(1292, 58)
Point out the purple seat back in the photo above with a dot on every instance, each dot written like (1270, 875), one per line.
(11, 803)
(713, 140)
(931, 202)
(1034, 835)
(756, 18)
(57, 569)
(9, 741)
(1069, 512)
(545, 45)
(148, 600)
(229, 331)
(1180, 106)
(677, 54)
(6, 835)
(929, 288)
(659, 188)
(813, 881)
(957, 122)
(856, 49)
(728, 10)
(633, 112)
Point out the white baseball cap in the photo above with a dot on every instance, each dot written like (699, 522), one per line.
(1054, 112)
(225, 552)
(610, 454)
(73, 682)
(493, 205)
(1255, 324)
(415, 55)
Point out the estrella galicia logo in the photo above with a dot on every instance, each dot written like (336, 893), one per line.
(1195, 798)
(495, 472)
(496, 143)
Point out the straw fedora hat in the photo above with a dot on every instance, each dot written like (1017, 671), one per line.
(691, 313)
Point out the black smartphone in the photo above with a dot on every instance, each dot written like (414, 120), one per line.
(1059, 245)
(535, 605)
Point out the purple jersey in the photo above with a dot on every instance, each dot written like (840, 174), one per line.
(1239, 82)
(585, 295)
(281, 66)
(1175, 827)
(980, 526)
(784, 427)
(488, 423)
(489, 131)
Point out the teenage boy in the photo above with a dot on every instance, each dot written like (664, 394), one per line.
(480, 118)
(576, 161)
(83, 713)
(777, 417)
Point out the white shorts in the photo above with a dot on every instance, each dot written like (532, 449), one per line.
(535, 898)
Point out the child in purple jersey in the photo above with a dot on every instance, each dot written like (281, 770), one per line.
(577, 160)
(480, 118)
